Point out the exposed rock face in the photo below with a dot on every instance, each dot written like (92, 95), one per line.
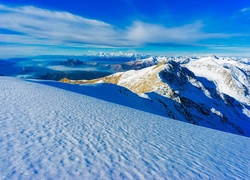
(230, 78)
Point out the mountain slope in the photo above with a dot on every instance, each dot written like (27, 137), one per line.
(231, 78)
(218, 97)
(50, 133)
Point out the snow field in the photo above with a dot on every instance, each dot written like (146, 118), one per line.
(46, 132)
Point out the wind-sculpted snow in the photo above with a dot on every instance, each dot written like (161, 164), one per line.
(51, 133)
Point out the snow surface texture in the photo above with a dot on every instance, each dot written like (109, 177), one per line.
(51, 133)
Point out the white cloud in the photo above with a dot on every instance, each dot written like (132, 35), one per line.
(56, 27)
(46, 27)
(245, 10)
(152, 33)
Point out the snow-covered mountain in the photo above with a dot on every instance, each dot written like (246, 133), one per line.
(136, 64)
(231, 77)
(53, 133)
(207, 91)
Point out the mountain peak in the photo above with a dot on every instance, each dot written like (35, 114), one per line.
(214, 56)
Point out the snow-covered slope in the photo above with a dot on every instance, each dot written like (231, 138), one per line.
(231, 77)
(51, 133)
(209, 91)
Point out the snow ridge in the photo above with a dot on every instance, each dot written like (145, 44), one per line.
(208, 91)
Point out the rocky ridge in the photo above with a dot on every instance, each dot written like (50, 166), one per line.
(201, 91)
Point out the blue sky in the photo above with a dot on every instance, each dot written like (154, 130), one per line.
(155, 27)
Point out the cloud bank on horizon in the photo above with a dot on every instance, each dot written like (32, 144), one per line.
(27, 29)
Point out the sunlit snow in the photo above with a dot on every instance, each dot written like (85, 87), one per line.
(51, 133)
